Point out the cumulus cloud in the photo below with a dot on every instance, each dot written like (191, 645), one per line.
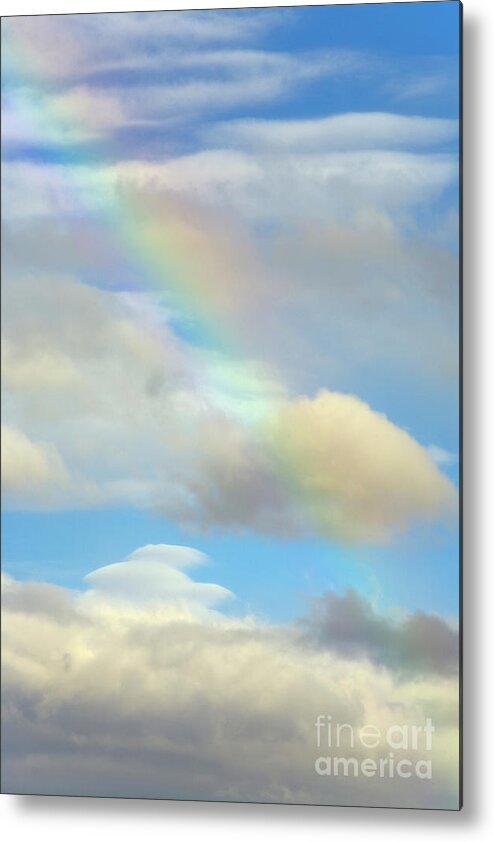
(358, 475)
(112, 696)
(350, 626)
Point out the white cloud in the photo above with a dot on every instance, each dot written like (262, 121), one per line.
(31, 469)
(441, 456)
(63, 46)
(273, 188)
(108, 697)
(154, 574)
(82, 110)
(260, 188)
(430, 76)
(341, 132)
(76, 92)
(359, 476)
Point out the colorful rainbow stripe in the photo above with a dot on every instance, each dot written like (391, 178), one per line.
(158, 249)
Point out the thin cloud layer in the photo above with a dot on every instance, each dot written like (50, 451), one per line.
(339, 132)
(98, 90)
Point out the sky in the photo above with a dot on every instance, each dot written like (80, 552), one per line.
(230, 298)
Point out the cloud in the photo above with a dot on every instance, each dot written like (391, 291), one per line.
(58, 95)
(30, 468)
(154, 574)
(138, 416)
(358, 476)
(214, 81)
(62, 46)
(430, 76)
(350, 626)
(255, 190)
(268, 189)
(343, 234)
(104, 696)
(441, 456)
(377, 289)
(341, 132)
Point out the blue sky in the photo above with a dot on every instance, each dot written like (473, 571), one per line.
(398, 59)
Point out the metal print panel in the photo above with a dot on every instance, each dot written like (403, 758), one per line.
(231, 562)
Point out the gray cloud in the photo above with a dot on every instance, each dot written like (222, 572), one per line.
(350, 626)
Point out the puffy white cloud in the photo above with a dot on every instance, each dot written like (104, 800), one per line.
(104, 696)
(357, 475)
(154, 574)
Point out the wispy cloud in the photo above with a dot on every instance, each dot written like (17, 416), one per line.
(424, 79)
(62, 47)
(186, 84)
(341, 132)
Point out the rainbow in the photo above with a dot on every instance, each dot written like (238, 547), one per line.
(157, 247)
(161, 252)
